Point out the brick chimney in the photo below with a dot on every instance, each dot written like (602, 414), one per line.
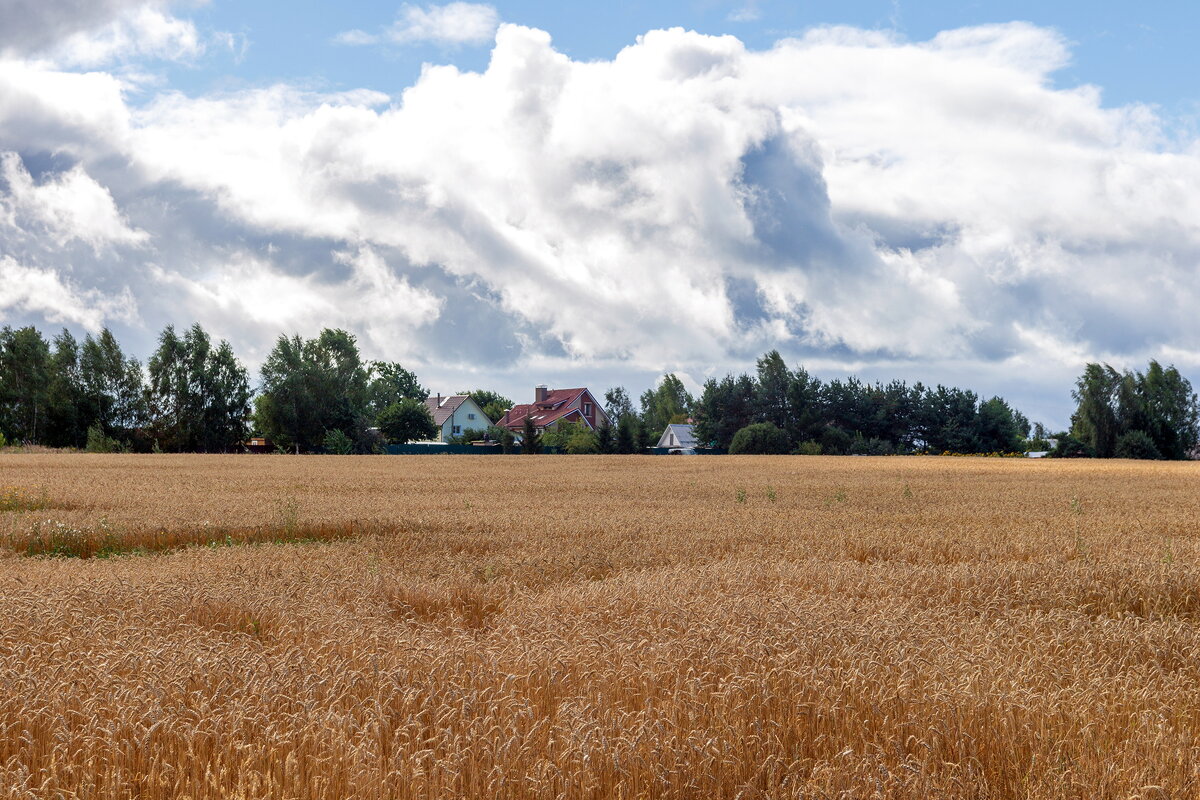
(539, 393)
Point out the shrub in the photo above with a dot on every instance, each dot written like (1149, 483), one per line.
(1137, 444)
(337, 443)
(1070, 447)
(871, 447)
(761, 438)
(583, 443)
(809, 448)
(98, 442)
(405, 421)
(835, 441)
(3, 441)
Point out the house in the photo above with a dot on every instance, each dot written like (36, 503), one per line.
(680, 437)
(552, 406)
(455, 414)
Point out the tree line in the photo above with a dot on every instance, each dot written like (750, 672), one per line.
(320, 395)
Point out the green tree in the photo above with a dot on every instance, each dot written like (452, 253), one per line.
(389, 382)
(1096, 421)
(199, 396)
(617, 404)
(338, 443)
(626, 438)
(315, 386)
(24, 384)
(1171, 411)
(65, 423)
(772, 396)
(1136, 444)
(998, 427)
(405, 421)
(114, 396)
(725, 407)
(287, 410)
(665, 403)
(605, 442)
(493, 404)
(531, 441)
(760, 438)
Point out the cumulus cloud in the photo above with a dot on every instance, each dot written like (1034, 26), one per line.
(141, 33)
(67, 206)
(454, 24)
(937, 210)
(30, 25)
(54, 299)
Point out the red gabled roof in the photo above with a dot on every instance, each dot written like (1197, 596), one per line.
(554, 407)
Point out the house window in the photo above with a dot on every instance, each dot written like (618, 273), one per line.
(587, 409)
(470, 416)
(457, 429)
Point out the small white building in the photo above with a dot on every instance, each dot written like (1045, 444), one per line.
(678, 437)
(455, 414)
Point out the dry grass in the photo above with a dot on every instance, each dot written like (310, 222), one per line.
(606, 627)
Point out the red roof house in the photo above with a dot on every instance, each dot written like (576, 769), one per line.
(551, 406)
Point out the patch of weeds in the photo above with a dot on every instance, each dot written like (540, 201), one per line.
(741, 495)
(287, 514)
(51, 538)
(908, 492)
(19, 499)
(771, 494)
(838, 497)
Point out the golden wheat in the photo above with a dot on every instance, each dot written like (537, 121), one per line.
(582, 627)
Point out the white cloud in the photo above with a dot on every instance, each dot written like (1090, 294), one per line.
(747, 12)
(454, 24)
(140, 33)
(58, 300)
(65, 207)
(852, 197)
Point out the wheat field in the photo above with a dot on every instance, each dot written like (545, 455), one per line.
(597, 627)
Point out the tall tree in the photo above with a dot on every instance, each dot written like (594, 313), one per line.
(287, 410)
(24, 384)
(666, 403)
(390, 383)
(999, 430)
(772, 396)
(113, 387)
(617, 404)
(199, 397)
(493, 404)
(313, 387)
(724, 408)
(65, 422)
(1171, 410)
(1096, 421)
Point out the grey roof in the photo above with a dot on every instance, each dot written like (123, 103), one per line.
(684, 435)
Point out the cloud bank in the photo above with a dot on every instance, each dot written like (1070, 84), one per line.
(935, 210)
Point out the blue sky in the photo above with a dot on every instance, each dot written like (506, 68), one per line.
(985, 195)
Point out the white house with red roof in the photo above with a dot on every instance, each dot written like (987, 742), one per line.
(455, 414)
(552, 406)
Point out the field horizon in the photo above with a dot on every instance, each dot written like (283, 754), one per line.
(616, 626)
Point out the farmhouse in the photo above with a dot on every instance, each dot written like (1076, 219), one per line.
(552, 406)
(456, 414)
(678, 436)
